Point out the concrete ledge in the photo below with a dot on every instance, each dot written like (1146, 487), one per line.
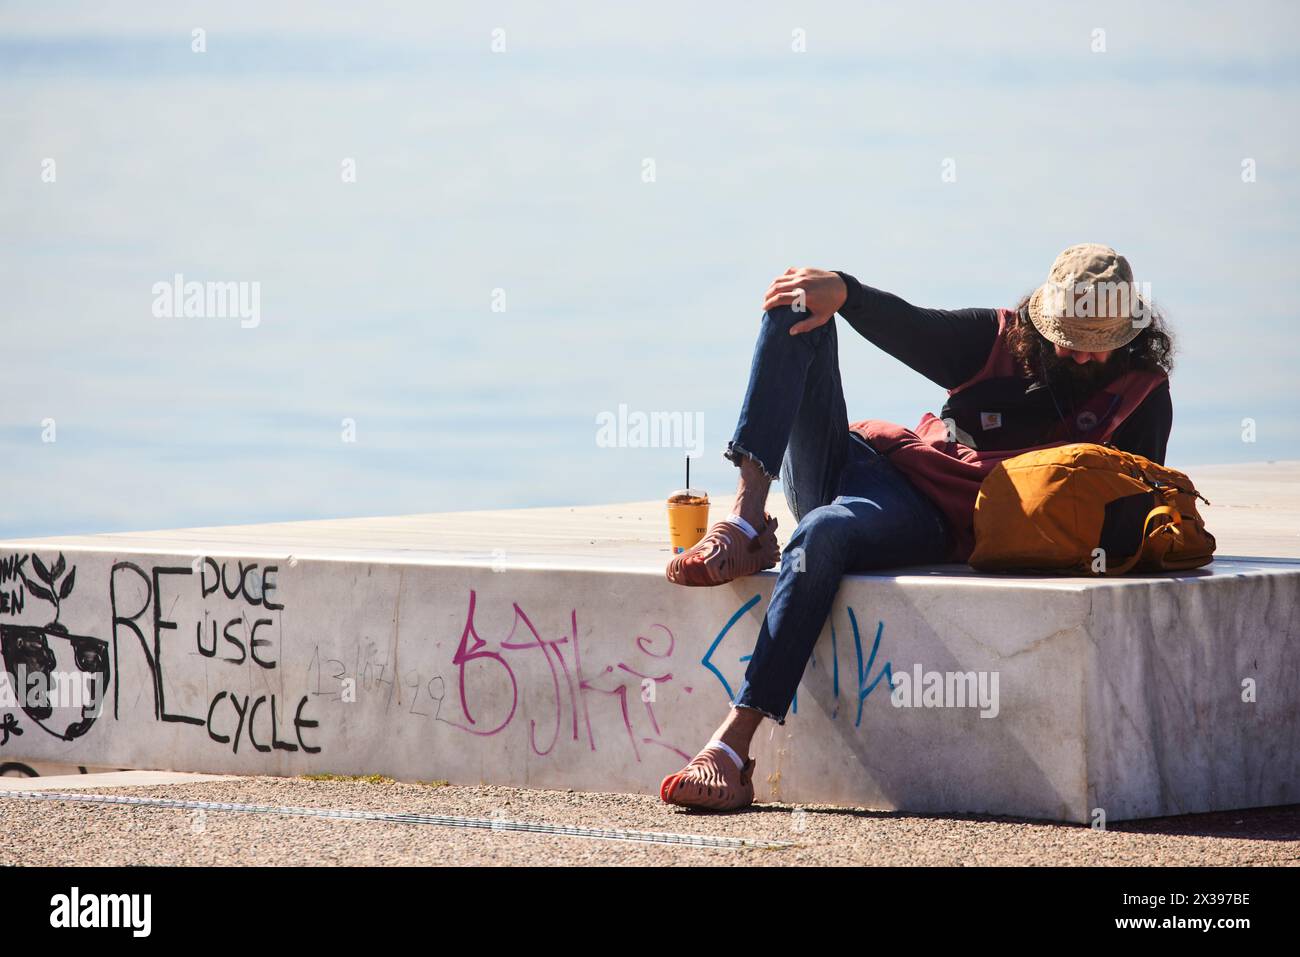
(543, 648)
(107, 779)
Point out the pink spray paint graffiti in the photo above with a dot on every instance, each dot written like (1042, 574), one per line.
(474, 652)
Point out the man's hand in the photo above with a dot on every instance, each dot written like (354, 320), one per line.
(814, 291)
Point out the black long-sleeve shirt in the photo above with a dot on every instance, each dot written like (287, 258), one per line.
(950, 346)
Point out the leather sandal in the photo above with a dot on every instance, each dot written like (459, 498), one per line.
(700, 785)
(724, 554)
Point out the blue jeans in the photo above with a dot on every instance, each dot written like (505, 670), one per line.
(857, 512)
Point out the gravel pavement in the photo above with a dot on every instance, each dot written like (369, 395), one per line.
(65, 833)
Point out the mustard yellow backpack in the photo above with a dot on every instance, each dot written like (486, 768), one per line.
(1090, 510)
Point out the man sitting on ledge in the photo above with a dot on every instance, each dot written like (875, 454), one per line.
(1083, 358)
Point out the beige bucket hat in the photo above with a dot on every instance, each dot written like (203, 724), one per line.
(1090, 302)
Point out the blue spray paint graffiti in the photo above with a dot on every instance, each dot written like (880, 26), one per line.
(708, 655)
(886, 671)
(866, 683)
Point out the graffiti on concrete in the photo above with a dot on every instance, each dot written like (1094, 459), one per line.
(239, 618)
(576, 682)
(12, 577)
(865, 682)
(56, 677)
(199, 650)
(485, 677)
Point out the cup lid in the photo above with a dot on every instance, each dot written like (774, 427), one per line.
(692, 492)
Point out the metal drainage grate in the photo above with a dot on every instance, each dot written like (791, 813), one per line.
(437, 820)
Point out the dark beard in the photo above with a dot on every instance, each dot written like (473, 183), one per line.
(1080, 381)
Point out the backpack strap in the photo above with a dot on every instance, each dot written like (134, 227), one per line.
(1176, 519)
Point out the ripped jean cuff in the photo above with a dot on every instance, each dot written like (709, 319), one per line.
(778, 718)
(737, 453)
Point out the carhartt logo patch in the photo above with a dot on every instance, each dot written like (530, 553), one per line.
(990, 420)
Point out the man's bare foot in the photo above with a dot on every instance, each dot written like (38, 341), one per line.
(726, 553)
(751, 492)
(738, 728)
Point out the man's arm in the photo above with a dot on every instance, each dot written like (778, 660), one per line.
(947, 346)
(1146, 431)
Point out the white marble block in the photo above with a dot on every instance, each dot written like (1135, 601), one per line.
(1053, 698)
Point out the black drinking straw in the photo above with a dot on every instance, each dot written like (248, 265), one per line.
(688, 471)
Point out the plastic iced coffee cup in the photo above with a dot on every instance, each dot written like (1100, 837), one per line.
(688, 518)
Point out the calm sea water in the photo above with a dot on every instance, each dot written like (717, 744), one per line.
(463, 259)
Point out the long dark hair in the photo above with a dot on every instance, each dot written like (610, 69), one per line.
(1151, 351)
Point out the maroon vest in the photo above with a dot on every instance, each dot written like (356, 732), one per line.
(949, 473)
